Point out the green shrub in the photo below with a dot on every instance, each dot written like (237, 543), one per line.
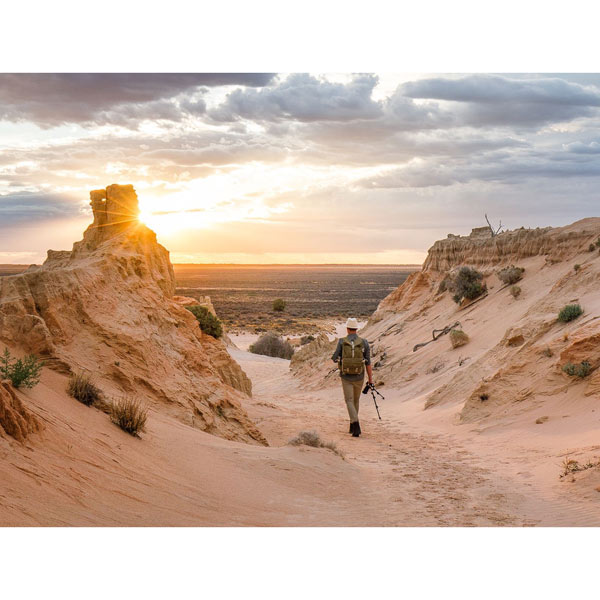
(570, 312)
(270, 344)
(583, 369)
(515, 290)
(443, 285)
(576, 267)
(22, 372)
(82, 389)
(209, 324)
(279, 305)
(466, 284)
(129, 414)
(510, 275)
(592, 247)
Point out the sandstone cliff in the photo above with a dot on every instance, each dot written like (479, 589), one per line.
(108, 307)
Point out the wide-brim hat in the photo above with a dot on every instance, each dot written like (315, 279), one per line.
(351, 323)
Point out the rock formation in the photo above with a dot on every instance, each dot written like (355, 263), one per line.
(15, 420)
(108, 307)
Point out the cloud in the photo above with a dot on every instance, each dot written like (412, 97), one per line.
(496, 100)
(49, 99)
(27, 207)
(302, 97)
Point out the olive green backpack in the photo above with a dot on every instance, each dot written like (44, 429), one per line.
(352, 359)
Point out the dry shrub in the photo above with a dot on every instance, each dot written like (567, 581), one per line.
(130, 414)
(83, 389)
(458, 338)
(271, 344)
(312, 438)
(573, 466)
(515, 290)
(510, 275)
(576, 267)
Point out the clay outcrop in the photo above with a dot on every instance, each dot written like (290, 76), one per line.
(16, 420)
(108, 307)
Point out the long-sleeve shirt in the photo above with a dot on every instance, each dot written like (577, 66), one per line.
(366, 356)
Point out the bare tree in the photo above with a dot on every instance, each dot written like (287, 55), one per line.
(494, 231)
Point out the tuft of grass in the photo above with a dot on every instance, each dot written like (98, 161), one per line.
(570, 312)
(83, 389)
(583, 369)
(458, 338)
(547, 351)
(484, 397)
(22, 372)
(573, 466)
(592, 247)
(510, 275)
(130, 414)
(515, 290)
(312, 438)
(576, 267)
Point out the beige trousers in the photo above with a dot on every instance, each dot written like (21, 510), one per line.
(352, 391)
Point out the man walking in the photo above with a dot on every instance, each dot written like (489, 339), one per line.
(352, 355)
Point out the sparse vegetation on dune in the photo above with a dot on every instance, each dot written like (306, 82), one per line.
(22, 372)
(271, 344)
(570, 466)
(515, 290)
(312, 438)
(130, 414)
(83, 389)
(209, 324)
(570, 312)
(510, 275)
(458, 338)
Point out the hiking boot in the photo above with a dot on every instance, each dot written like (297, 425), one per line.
(351, 428)
(356, 427)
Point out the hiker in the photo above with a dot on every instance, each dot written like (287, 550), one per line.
(352, 355)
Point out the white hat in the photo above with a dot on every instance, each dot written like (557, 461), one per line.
(351, 323)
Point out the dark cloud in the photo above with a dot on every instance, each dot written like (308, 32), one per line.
(496, 100)
(302, 97)
(50, 99)
(30, 207)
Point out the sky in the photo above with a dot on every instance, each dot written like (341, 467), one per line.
(296, 168)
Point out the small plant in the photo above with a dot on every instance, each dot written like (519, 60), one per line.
(510, 275)
(82, 389)
(279, 305)
(312, 438)
(515, 290)
(597, 243)
(270, 344)
(576, 267)
(458, 338)
(547, 352)
(435, 368)
(583, 369)
(592, 247)
(484, 397)
(570, 312)
(306, 339)
(22, 372)
(209, 324)
(129, 414)
(572, 466)
(466, 284)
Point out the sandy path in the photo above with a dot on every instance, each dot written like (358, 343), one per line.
(417, 478)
